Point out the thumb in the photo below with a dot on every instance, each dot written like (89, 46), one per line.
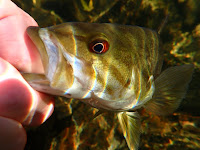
(19, 101)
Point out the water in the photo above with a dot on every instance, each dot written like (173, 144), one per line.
(70, 127)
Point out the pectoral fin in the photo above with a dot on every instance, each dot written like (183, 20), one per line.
(130, 123)
(170, 89)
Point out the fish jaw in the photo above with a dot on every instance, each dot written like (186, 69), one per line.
(57, 70)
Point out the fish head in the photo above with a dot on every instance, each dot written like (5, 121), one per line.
(97, 63)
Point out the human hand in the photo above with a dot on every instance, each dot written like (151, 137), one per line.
(19, 103)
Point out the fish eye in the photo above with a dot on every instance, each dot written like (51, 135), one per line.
(99, 46)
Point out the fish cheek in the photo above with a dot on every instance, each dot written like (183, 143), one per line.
(68, 42)
(63, 77)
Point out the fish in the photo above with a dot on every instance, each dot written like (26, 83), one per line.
(111, 67)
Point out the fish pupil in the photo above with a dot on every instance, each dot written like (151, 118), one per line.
(98, 47)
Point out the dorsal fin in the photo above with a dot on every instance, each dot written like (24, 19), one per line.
(163, 24)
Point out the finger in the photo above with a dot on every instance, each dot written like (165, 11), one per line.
(15, 46)
(13, 135)
(19, 101)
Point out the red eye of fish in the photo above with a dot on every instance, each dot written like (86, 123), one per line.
(99, 46)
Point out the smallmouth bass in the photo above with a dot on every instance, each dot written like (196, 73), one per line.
(110, 67)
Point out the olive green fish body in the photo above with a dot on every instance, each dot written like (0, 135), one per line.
(111, 67)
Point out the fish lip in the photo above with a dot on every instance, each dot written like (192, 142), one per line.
(41, 37)
(33, 33)
(31, 30)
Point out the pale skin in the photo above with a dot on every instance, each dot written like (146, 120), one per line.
(20, 105)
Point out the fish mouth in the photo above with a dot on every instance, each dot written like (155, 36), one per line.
(57, 69)
(33, 33)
